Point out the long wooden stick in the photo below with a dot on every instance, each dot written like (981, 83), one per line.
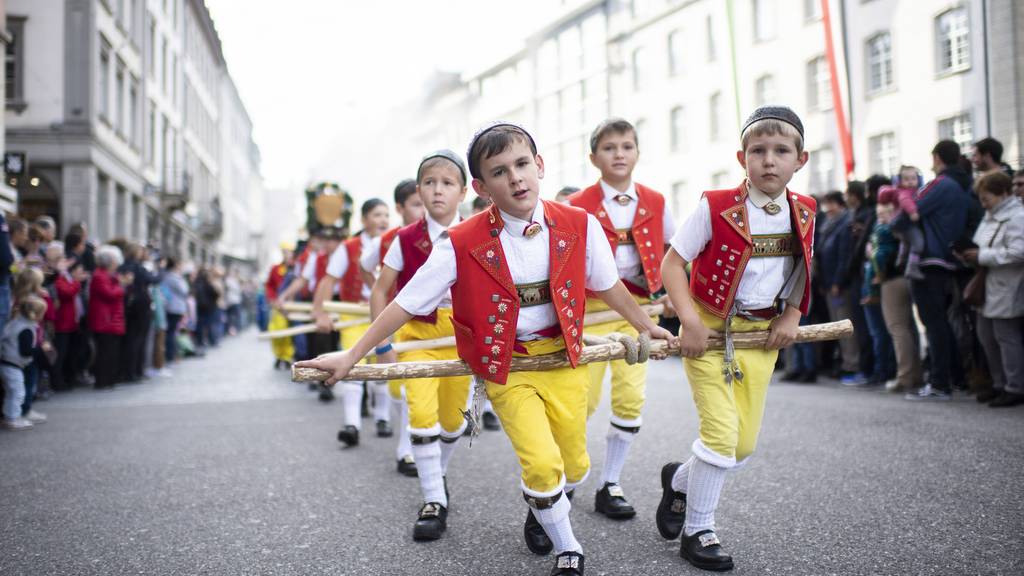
(309, 329)
(603, 316)
(336, 307)
(598, 353)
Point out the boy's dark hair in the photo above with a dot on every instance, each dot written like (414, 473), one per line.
(369, 205)
(495, 140)
(404, 189)
(72, 240)
(990, 146)
(835, 197)
(479, 203)
(78, 228)
(612, 126)
(996, 182)
(857, 189)
(948, 152)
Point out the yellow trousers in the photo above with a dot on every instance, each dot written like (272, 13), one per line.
(349, 336)
(281, 347)
(435, 404)
(629, 383)
(730, 414)
(544, 415)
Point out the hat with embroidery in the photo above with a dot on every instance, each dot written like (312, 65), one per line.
(780, 113)
(447, 155)
(474, 165)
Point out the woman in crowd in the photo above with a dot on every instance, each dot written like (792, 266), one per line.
(175, 289)
(106, 313)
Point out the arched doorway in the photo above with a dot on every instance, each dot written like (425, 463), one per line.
(37, 196)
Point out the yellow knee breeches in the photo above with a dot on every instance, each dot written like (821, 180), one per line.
(544, 416)
(435, 404)
(629, 383)
(282, 347)
(730, 414)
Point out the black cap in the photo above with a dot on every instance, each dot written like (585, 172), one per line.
(780, 113)
(447, 155)
(473, 166)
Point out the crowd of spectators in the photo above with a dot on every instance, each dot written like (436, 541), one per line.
(76, 315)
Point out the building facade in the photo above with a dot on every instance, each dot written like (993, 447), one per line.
(117, 105)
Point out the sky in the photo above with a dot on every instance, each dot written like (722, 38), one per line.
(312, 72)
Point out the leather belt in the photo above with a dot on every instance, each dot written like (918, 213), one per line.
(534, 293)
(761, 313)
(772, 245)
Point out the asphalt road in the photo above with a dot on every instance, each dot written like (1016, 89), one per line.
(227, 468)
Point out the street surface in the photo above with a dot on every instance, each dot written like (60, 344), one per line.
(228, 468)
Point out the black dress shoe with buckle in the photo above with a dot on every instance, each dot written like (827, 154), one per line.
(349, 436)
(491, 421)
(432, 522)
(384, 429)
(611, 501)
(568, 564)
(407, 466)
(326, 394)
(536, 538)
(672, 509)
(704, 550)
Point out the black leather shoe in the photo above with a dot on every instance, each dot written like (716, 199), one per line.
(349, 435)
(384, 429)
(536, 538)
(407, 467)
(491, 421)
(793, 376)
(568, 564)
(704, 551)
(432, 522)
(986, 396)
(326, 394)
(611, 501)
(672, 509)
(1006, 399)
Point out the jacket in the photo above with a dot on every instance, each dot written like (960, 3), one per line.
(66, 290)
(18, 342)
(106, 303)
(834, 249)
(1000, 240)
(943, 206)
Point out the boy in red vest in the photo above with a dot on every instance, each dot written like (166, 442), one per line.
(637, 225)
(343, 275)
(518, 274)
(750, 249)
(410, 208)
(435, 404)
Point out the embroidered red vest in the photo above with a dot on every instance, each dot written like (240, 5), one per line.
(716, 272)
(351, 283)
(648, 229)
(414, 240)
(485, 303)
(385, 244)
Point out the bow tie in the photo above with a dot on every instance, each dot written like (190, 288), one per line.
(531, 230)
(623, 199)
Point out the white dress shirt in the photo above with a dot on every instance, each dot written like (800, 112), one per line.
(337, 266)
(627, 257)
(394, 259)
(527, 260)
(370, 256)
(764, 279)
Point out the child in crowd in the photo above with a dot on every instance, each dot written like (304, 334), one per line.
(905, 220)
(18, 345)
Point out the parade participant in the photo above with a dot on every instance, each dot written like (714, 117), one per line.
(282, 347)
(489, 418)
(435, 404)
(410, 208)
(343, 276)
(517, 274)
(637, 225)
(750, 249)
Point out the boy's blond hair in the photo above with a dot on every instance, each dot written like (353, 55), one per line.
(27, 283)
(772, 127)
(32, 308)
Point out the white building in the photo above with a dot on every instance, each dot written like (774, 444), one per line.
(8, 195)
(117, 105)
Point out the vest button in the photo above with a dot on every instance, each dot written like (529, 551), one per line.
(488, 340)
(568, 283)
(491, 319)
(495, 298)
(484, 359)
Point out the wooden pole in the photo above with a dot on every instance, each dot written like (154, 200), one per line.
(308, 329)
(597, 353)
(335, 307)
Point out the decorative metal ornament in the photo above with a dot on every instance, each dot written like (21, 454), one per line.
(772, 208)
(531, 230)
(623, 199)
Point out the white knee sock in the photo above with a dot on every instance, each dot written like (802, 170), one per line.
(381, 401)
(404, 445)
(681, 479)
(704, 488)
(619, 442)
(557, 526)
(352, 403)
(428, 464)
(447, 450)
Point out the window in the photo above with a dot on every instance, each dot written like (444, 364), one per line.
(709, 25)
(822, 171)
(676, 52)
(812, 9)
(151, 135)
(958, 129)
(104, 79)
(882, 155)
(879, 63)
(678, 195)
(639, 73)
(174, 78)
(819, 87)
(120, 207)
(102, 207)
(132, 129)
(119, 108)
(764, 90)
(128, 16)
(953, 34)
(678, 127)
(152, 44)
(764, 19)
(163, 64)
(14, 64)
(714, 110)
